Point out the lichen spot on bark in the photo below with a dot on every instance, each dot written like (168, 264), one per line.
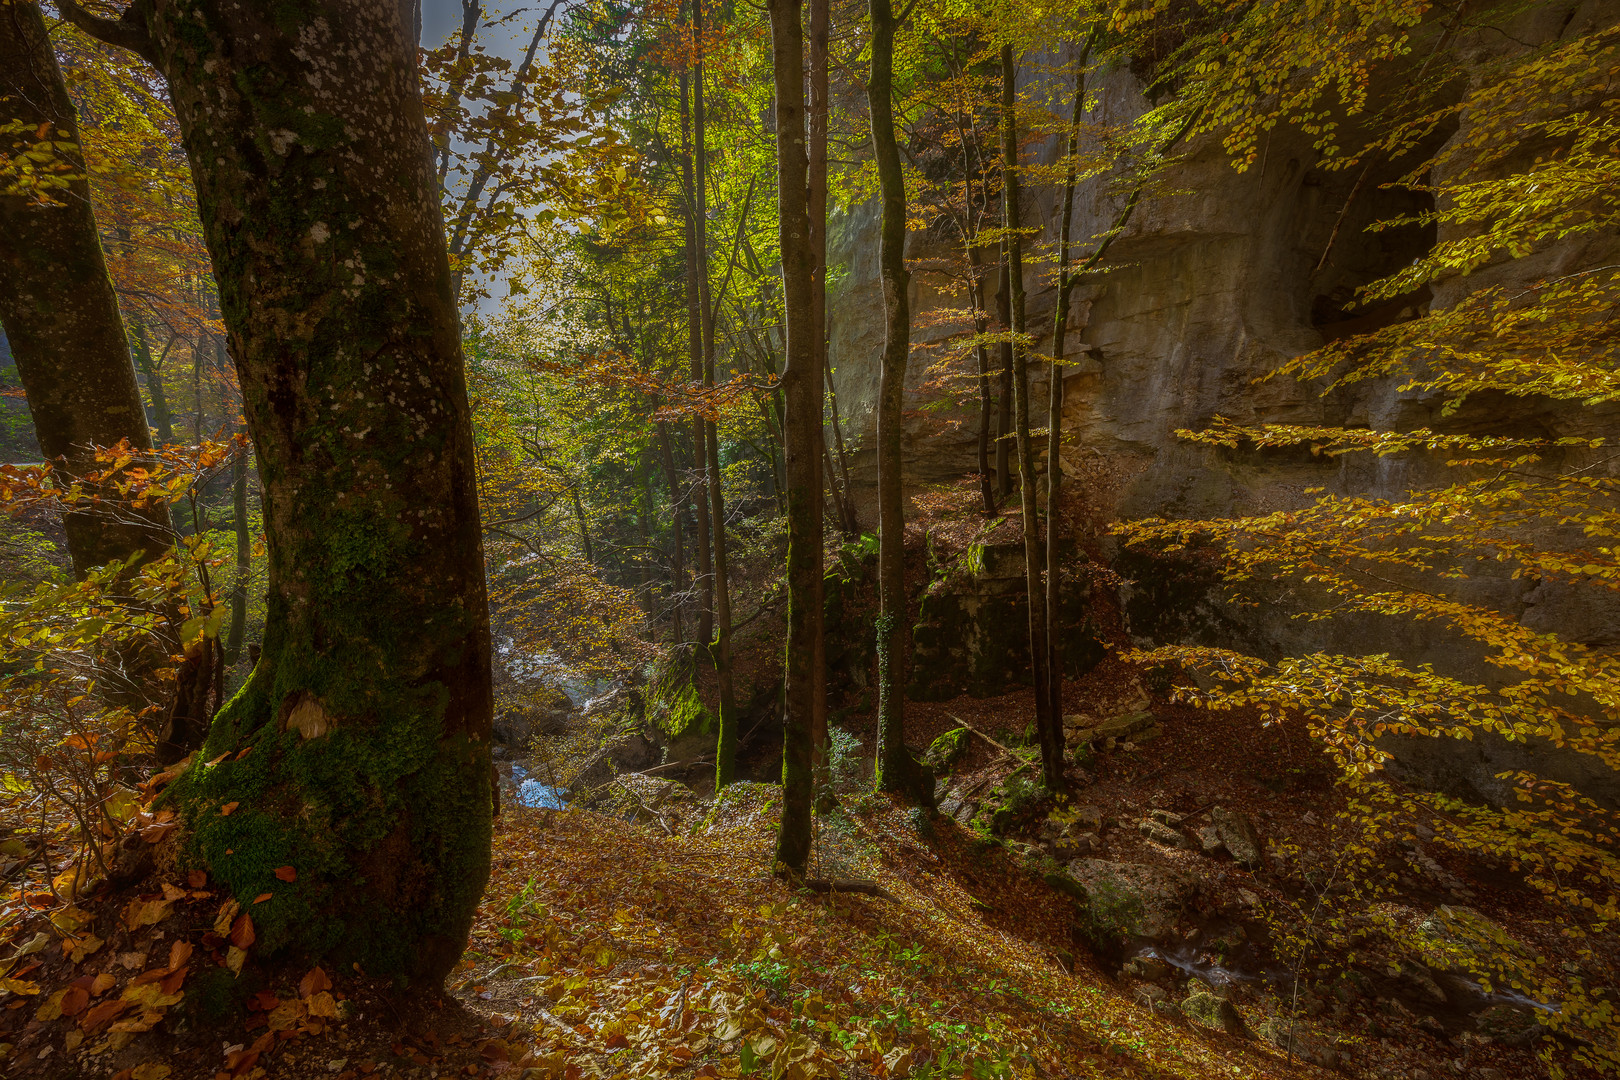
(302, 712)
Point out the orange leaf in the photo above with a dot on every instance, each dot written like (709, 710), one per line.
(242, 932)
(286, 873)
(179, 953)
(74, 1000)
(262, 897)
(103, 1013)
(314, 982)
(197, 879)
(225, 811)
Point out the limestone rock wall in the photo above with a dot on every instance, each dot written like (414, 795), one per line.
(1221, 275)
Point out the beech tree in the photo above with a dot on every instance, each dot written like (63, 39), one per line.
(56, 300)
(897, 770)
(358, 751)
(801, 387)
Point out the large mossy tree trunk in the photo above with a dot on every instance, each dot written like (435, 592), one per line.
(358, 749)
(897, 770)
(57, 303)
(804, 681)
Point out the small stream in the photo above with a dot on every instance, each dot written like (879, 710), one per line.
(534, 794)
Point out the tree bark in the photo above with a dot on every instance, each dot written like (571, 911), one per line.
(154, 384)
(981, 355)
(897, 770)
(244, 557)
(359, 746)
(725, 753)
(58, 307)
(704, 570)
(1050, 732)
(1004, 395)
(1054, 405)
(677, 515)
(819, 117)
(804, 682)
(851, 524)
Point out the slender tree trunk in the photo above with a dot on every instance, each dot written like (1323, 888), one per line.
(584, 523)
(359, 747)
(801, 436)
(1054, 407)
(1050, 731)
(725, 753)
(981, 355)
(154, 384)
(897, 771)
(1004, 396)
(851, 524)
(677, 515)
(704, 570)
(57, 303)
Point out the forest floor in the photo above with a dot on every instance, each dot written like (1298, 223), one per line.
(615, 948)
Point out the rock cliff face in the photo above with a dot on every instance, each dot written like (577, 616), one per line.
(1221, 275)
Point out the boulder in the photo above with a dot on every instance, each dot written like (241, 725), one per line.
(1071, 846)
(1207, 1010)
(1082, 728)
(1150, 968)
(1508, 1025)
(1458, 938)
(522, 716)
(1292, 1038)
(946, 750)
(1162, 834)
(1119, 901)
(1237, 835)
(1209, 840)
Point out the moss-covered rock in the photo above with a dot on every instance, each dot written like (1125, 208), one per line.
(972, 632)
(1124, 901)
(946, 750)
(1207, 1010)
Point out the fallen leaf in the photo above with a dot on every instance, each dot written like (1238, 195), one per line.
(286, 873)
(83, 947)
(173, 980)
(314, 982)
(172, 892)
(179, 953)
(228, 809)
(153, 833)
(286, 1015)
(242, 931)
(75, 999)
(141, 913)
(227, 912)
(150, 1071)
(150, 996)
(19, 986)
(322, 1004)
(103, 1013)
(262, 897)
(197, 879)
(103, 982)
(234, 958)
(51, 1008)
